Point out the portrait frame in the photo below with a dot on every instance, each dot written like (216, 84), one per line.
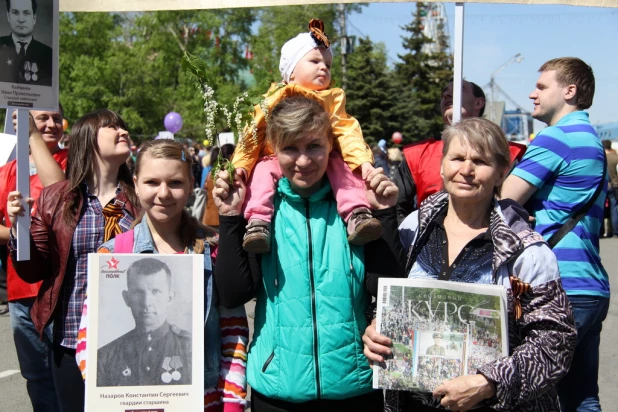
(31, 81)
(158, 380)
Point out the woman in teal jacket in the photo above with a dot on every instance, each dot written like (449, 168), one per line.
(307, 352)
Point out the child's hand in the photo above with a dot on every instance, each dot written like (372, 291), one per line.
(243, 174)
(366, 169)
(382, 193)
(229, 198)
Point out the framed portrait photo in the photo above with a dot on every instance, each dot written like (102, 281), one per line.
(29, 43)
(145, 332)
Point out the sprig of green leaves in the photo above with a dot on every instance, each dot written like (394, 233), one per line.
(195, 67)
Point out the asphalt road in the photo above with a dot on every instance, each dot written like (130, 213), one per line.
(14, 398)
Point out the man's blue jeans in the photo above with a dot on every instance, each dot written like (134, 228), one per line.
(579, 390)
(34, 357)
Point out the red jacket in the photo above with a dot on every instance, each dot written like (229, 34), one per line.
(50, 245)
(424, 159)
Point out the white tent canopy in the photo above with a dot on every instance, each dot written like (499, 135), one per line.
(146, 5)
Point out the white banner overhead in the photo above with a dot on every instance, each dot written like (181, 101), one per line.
(149, 5)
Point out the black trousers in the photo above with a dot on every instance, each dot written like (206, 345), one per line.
(420, 402)
(370, 402)
(68, 380)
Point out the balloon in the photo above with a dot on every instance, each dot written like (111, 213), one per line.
(65, 125)
(397, 138)
(173, 122)
(206, 142)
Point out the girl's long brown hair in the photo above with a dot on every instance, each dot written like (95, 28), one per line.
(82, 158)
(189, 228)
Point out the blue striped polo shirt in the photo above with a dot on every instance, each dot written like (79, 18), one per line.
(565, 163)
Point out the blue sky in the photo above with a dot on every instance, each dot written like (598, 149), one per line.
(494, 33)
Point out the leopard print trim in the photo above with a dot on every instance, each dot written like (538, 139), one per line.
(541, 350)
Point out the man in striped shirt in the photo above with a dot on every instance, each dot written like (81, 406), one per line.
(559, 173)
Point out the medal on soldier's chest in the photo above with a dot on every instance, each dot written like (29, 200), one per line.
(30, 71)
(166, 376)
(170, 363)
(176, 363)
(26, 73)
(34, 68)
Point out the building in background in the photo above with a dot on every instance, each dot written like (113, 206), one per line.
(607, 131)
(517, 125)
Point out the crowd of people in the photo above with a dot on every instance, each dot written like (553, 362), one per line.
(484, 344)
(481, 352)
(399, 322)
(398, 326)
(306, 225)
(399, 373)
(433, 370)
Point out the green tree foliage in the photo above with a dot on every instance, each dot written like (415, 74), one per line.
(367, 90)
(132, 64)
(404, 113)
(419, 79)
(86, 40)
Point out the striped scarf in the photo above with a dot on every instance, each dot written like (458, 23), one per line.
(113, 213)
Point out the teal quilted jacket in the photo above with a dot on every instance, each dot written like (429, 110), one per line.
(309, 315)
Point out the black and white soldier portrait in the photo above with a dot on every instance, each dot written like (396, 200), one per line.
(25, 36)
(437, 349)
(157, 351)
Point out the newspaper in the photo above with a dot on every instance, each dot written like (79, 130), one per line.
(440, 330)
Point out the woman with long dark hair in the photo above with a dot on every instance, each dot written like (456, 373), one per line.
(73, 218)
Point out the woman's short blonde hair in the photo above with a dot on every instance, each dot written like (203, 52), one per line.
(294, 118)
(482, 135)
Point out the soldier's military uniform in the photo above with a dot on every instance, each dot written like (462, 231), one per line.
(160, 357)
(436, 350)
(13, 68)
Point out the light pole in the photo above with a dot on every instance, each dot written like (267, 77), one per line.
(344, 44)
(493, 86)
